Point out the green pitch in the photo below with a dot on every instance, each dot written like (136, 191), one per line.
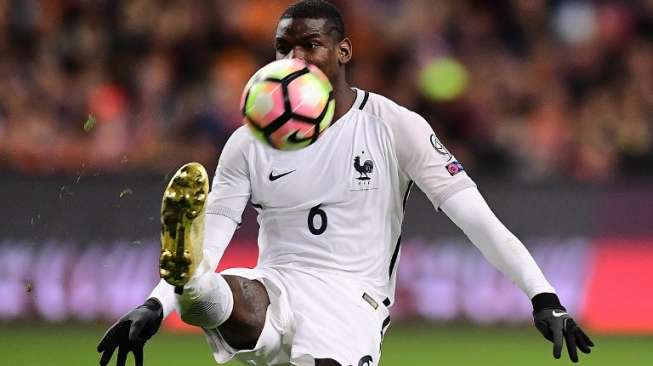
(36, 345)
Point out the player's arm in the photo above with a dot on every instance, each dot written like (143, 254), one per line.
(437, 172)
(226, 202)
(469, 211)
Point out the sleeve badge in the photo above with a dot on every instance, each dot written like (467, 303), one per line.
(454, 167)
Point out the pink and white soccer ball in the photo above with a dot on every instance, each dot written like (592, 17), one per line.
(288, 103)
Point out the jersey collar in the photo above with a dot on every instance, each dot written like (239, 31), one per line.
(361, 98)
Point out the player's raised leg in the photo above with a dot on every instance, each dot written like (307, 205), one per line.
(245, 324)
(182, 224)
(207, 299)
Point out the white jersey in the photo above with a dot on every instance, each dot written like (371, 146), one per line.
(337, 205)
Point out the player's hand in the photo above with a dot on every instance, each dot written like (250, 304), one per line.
(130, 333)
(552, 320)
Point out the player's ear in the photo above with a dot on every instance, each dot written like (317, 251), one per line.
(344, 51)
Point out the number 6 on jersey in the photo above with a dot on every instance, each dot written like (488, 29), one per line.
(316, 211)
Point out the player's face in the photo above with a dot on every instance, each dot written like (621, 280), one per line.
(310, 40)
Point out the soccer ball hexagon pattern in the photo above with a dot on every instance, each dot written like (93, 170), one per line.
(288, 103)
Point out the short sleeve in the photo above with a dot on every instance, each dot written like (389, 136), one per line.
(231, 187)
(426, 161)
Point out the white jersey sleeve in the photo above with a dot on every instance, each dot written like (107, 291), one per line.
(231, 187)
(469, 211)
(424, 159)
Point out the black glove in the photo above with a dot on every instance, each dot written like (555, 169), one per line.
(552, 320)
(131, 332)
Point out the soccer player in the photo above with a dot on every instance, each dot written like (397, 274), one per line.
(330, 220)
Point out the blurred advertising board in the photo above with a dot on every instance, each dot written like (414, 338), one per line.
(80, 248)
(605, 282)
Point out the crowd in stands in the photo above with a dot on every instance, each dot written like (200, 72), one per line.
(531, 89)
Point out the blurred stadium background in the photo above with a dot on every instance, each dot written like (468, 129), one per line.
(548, 103)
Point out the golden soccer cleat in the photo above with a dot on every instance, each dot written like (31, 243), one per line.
(182, 224)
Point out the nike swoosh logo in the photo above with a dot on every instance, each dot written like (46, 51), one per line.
(275, 177)
(558, 314)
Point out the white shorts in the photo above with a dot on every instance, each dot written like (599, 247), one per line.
(311, 316)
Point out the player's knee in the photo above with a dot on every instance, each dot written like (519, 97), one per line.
(250, 300)
(247, 321)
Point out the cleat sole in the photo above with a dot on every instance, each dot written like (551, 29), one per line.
(182, 224)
